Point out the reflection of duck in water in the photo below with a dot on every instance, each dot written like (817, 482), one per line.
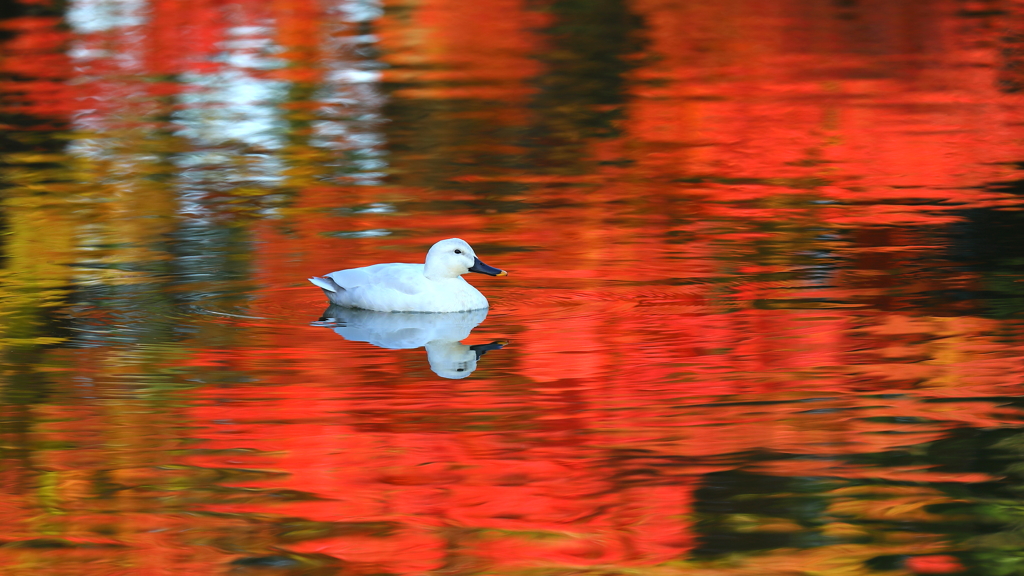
(435, 286)
(438, 333)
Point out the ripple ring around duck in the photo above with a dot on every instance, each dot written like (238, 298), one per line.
(434, 286)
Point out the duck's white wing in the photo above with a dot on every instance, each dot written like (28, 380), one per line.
(352, 278)
(384, 287)
(336, 283)
(400, 277)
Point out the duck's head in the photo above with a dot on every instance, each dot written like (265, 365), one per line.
(455, 361)
(454, 257)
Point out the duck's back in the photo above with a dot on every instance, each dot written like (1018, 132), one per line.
(400, 277)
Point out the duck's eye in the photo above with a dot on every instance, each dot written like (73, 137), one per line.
(457, 251)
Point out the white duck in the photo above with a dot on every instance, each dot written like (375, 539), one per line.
(435, 286)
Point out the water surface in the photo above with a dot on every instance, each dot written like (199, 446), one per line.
(763, 313)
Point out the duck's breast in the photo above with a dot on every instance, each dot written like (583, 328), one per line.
(457, 295)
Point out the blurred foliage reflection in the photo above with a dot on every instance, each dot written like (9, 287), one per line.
(763, 317)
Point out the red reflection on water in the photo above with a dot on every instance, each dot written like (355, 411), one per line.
(453, 49)
(937, 564)
(35, 57)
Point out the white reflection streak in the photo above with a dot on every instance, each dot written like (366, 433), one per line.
(106, 32)
(351, 98)
(232, 114)
(233, 118)
(91, 16)
(234, 104)
(104, 51)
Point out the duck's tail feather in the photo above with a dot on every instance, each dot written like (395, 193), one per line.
(327, 283)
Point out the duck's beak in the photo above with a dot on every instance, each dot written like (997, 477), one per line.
(482, 268)
(482, 349)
